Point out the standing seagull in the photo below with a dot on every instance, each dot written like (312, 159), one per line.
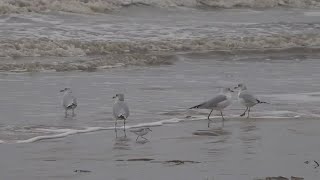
(247, 99)
(68, 101)
(218, 103)
(120, 109)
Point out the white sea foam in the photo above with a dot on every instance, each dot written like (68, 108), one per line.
(105, 6)
(54, 133)
(120, 42)
(67, 132)
(60, 135)
(140, 52)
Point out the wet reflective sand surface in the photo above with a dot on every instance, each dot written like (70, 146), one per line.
(277, 141)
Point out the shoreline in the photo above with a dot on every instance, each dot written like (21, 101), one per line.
(213, 153)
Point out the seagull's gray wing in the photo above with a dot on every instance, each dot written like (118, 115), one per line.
(248, 97)
(69, 101)
(120, 110)
(216, 100)
(75, 101)
(212, 102)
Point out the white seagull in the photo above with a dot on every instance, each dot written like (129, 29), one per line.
(218, 103)
(247, 99)
(120, 109)
(68, 101)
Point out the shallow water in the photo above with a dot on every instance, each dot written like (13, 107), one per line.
(31, 101)
(242, 150)
(277, 141)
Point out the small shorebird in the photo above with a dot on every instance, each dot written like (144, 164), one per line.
(141, 132)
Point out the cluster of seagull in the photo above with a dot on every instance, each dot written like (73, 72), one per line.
(223, 100)
(218, 103)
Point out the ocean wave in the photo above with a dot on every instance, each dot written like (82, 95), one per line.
(28, 47)
(105, 6)
(54, 133)
(74, 6)
(60, 133)
(38, 55)
(94, 55)
(259, 3)
(89, 65)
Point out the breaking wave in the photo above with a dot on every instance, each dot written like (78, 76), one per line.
(92, 55)
(105, 6)
(68, 42)
(66, 48)
(117, 54)
(43, 133)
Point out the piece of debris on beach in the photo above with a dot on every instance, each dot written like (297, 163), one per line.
(81, 171)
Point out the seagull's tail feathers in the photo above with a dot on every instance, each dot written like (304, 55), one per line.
(196, 107)
(121, 116)
(72, 106)
(262, 102)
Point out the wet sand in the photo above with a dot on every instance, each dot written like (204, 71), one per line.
(243, 150)
(277, 141)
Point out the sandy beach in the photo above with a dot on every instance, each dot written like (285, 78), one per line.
(243, 149)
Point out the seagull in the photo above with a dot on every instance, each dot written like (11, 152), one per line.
(120, 109)
(68, 101)
(218, 103)
(141, 132)
(247, 99)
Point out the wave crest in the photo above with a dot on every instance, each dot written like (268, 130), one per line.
(93, 55)
(88, 63)
(259, 3)
(74, 6)
(105, 6)
(43, 133)
(47, 47)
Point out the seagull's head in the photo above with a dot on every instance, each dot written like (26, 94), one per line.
(120, 97)
(241, 87)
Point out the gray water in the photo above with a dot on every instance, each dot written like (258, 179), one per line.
(58, 41)
(32, 100)
(278, 139)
